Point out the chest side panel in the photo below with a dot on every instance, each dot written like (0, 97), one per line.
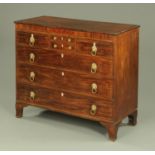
(126, 68)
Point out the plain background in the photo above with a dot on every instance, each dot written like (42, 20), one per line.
(43, 130)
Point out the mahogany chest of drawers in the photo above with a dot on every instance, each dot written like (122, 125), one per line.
(81, 68)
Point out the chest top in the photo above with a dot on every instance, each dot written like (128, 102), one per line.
(79, 25)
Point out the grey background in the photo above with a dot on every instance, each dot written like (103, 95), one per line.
(43, 130)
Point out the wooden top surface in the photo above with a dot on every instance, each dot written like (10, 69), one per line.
(79, 25)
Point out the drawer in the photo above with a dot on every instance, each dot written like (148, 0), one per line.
(64, 80)
(95, 48)
(65, 60)
(32, 39)
(69, 103)
(62, 42)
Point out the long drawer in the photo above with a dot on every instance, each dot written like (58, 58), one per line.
(69, 103)
(65, 80)
(66, 60)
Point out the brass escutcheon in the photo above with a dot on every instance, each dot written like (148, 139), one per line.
(94, 49)
(32, 40)
(62, 55)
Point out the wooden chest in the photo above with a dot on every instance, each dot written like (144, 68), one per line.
(81, 68)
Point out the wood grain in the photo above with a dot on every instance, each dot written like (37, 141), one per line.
(79, 25)
(126, 67)
(70, 61)
(71, 103)
(41, 40)
(116, 76)
(104, 49)
(71, 81)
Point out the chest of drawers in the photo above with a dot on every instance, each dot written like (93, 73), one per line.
(81, 68)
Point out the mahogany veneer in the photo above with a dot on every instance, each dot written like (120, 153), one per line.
(82, 68)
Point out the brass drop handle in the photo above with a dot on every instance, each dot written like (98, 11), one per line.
(93, 68)
(69, 39)
(32, 95)
(32, 40)
(94, 88)
(55, 46)
(32, 76)
(54, 38)
(69, 47)
(94, 49)
(31, 57)
(93, 109)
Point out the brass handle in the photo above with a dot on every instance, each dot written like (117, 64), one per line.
(94, 88)
(54, 38)
(93, 109)
(32, 95)
(94, 49)
(32, 76)
(32, 40)
(31, 57)
(69, 39)
(55, 46)
(69, 47)
(93, 67)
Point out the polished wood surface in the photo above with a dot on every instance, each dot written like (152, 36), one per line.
(70, 103)
(105, 49)
(127, 73)
(55, 59)
(70, 81)
(42, 40)
(79, 25)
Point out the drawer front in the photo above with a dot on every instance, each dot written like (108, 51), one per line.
(32, 39)
(66, 43)
(95, 48)
(68, 102)
(65, 80)
(66, 60)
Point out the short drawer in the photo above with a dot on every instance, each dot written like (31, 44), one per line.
(68, 102)
(32, 39)
(65, 80)
(95, 48)
(65, 60)
(61, 42)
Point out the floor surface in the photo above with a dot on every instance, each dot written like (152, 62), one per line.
(45, 130)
